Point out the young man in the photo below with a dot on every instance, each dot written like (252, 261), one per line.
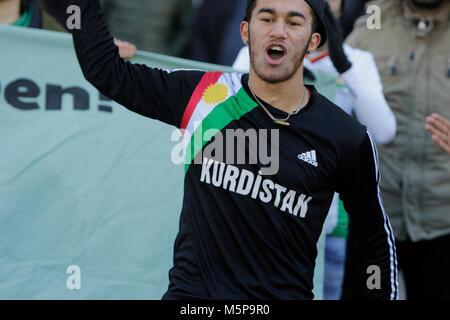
(249, 224)
(359, 92)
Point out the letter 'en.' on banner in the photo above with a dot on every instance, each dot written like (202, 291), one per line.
(89, 197)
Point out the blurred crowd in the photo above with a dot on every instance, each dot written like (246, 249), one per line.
(203, 30)
(394, 79)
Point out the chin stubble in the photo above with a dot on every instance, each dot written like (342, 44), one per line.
(283, 77)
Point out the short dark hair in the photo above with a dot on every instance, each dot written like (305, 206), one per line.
(315, 21)
(251, 4)
(250, 7)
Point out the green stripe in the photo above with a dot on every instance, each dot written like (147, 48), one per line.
(231, 109)
(341, 229)
(25, 18)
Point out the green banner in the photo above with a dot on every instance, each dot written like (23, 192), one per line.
(89, 197)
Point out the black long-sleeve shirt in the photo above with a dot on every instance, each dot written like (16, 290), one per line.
(245, 232)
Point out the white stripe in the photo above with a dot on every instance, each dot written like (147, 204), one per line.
(202, 110)
(314, 155)
(183, 69)
(387, 227)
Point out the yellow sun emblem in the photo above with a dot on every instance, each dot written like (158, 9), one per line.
(215, 93)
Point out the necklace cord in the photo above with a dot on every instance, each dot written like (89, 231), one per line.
(300, 106)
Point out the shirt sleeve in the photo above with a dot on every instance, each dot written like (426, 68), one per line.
(371, 264)
(151, 92)
(369, 103)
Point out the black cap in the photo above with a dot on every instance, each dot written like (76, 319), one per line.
(318, 7)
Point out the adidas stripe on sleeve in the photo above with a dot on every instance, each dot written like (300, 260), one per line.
(371, 266)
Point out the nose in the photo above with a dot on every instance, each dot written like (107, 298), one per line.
(278, 30)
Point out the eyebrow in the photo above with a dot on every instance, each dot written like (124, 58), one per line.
(290, 13)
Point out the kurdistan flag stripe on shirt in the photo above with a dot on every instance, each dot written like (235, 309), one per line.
(217, 100)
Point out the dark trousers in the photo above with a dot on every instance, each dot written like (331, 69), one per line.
(426, 268)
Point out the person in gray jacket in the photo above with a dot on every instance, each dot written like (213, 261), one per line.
(411, 50)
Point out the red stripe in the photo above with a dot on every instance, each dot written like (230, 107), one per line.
(208, 79)
(319, 57)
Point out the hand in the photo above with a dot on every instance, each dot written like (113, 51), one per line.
(335, 41)
(126, 49)
(439, 127)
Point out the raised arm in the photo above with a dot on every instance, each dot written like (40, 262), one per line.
(369, 103)
(360, 74)
(371, 266)
(151, 92)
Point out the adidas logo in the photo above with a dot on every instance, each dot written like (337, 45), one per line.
(309, 157)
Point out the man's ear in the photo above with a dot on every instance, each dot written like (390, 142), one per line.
(244, 31)
(315, 41)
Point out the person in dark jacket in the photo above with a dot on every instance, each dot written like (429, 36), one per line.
(209, 29)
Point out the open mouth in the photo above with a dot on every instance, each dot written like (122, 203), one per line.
(276, 53)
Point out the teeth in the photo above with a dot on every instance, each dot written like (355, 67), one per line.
(277, 48)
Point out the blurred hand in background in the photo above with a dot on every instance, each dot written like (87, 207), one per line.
(126, 49)
(439, 127)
